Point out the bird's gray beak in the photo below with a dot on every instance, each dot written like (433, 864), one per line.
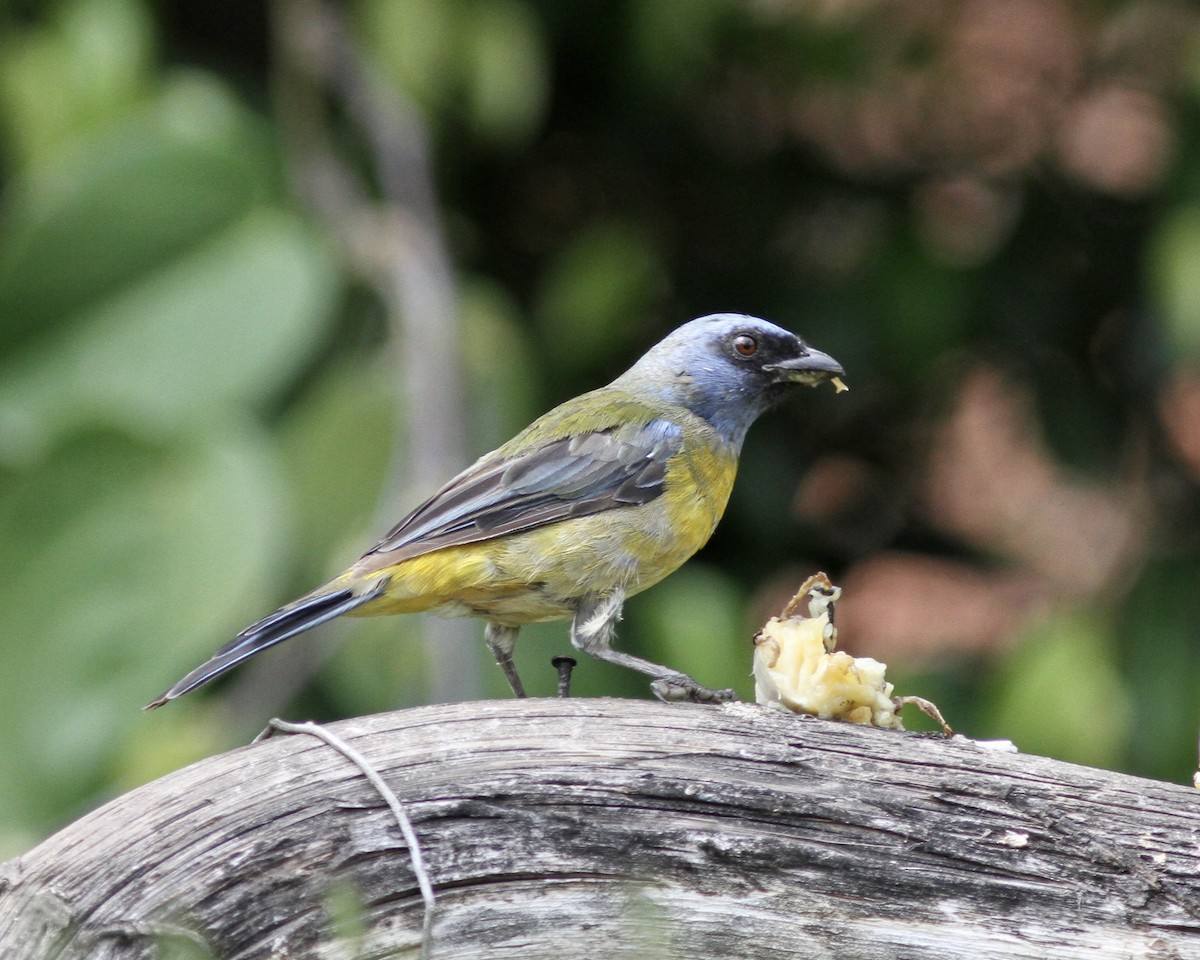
(812, 368)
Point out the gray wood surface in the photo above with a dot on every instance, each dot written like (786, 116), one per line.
(614, 829)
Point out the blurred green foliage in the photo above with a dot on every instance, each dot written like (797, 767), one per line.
(200, 415)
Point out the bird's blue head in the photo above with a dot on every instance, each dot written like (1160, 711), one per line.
(728, 368)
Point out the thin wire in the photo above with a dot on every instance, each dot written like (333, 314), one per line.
(406, 828)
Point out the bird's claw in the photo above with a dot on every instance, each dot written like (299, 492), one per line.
(680, 688)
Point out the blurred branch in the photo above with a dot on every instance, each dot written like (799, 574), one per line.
(622, 828)
(395, 244)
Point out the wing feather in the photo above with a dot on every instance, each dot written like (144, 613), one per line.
(568, 477)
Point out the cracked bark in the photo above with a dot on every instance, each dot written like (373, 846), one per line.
(586, 828)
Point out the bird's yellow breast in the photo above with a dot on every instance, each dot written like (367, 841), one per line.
(541, 574)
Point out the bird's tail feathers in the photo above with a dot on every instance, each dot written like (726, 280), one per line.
(284, 623)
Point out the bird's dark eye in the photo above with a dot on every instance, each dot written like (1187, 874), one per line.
(745, 345)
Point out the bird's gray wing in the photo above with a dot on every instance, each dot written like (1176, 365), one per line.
(570, 477)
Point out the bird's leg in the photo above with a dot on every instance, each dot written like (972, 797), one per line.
(592, 632)
(501, 640)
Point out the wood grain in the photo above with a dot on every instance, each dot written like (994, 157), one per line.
(616, 828)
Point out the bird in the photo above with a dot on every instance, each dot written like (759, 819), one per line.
(595, 501)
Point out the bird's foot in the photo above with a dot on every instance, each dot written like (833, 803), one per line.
(680, 688)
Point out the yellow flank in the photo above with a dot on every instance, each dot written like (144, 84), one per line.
(540, 574)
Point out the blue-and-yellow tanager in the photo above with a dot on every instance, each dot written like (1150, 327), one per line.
(593, 502)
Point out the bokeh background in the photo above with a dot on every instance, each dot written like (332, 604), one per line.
(270, 273)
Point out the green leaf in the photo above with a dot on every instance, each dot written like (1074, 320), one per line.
(598, 291)
(228, 323)
(694, 621)
(1060, 694)
(115, 205)
(127, 563)
(505, 72)
(379, 663)
(920, 306)
(1173, 256)
(414, 41)
(671, 45)
(90, 61)
(339, 444)
(502, 380)
(1160, 659)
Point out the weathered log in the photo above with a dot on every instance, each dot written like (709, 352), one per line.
(611, 828)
